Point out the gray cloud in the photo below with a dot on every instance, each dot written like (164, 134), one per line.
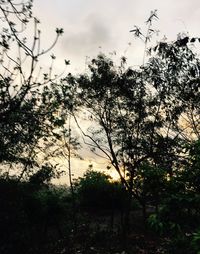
(89, 24)
(92, 34)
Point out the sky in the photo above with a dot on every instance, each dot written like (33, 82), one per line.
(93, 26)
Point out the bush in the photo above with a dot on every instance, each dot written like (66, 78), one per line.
(96, 190)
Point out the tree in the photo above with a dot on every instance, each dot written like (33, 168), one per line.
(173, 71)
(97, 192)
(93, 189)
(27, 102)
(144, 115)
(128, 117)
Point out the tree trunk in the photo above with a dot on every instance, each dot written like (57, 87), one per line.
(144, 213)
(112, 220)
(126, 222)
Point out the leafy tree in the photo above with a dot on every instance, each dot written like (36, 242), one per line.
(27, 102)
(128, 115)
(93, 189)
(145, 115)
(97, 190)
(174, 74)
(97, 193)
(30, 212)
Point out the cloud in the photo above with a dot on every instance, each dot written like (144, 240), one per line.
(93, 34)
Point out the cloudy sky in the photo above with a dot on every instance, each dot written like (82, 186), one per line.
(92, 26)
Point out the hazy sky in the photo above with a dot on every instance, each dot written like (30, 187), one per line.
(103, 25)
(91, 26)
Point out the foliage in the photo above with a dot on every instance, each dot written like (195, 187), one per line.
(95, 190)
(196, 241)
(27, 102)
(28, 214)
